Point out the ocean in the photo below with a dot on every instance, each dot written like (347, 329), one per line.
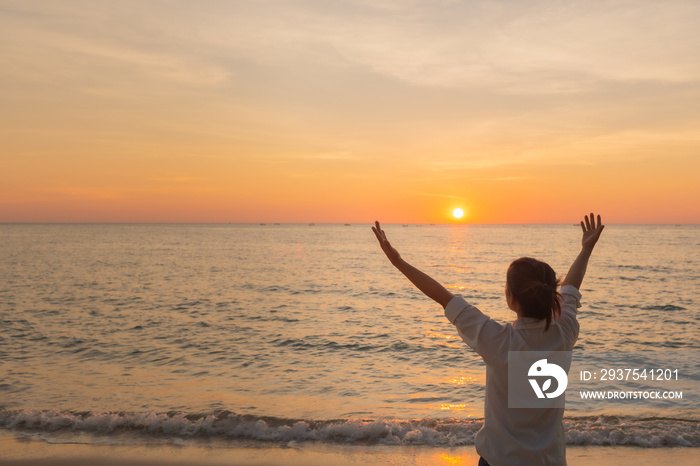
(296, 332)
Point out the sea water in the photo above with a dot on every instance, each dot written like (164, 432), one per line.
(306, 332)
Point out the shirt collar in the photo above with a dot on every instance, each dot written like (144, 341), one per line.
(529, 322)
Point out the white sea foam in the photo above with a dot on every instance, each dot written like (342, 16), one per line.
(603, 430)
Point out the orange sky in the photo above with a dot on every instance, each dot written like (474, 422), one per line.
(347, 111)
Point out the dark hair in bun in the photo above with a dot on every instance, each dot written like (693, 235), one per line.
(533, 284)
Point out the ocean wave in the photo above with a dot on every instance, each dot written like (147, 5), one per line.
(594, 430)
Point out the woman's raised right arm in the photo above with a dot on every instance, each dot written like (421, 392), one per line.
(591, 233)
(424, 282)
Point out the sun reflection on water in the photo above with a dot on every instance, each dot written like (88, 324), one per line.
(453, 407)
(458, 460)
(466, 380)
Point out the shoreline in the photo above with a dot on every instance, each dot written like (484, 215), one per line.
(23, 451)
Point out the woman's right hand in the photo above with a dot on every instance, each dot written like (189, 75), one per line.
(391, 253)
(591, 231)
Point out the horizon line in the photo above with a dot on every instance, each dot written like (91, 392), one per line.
(272, 223)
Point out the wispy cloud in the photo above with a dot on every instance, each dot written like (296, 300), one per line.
(442, 196)
(532, 46)
(77, 46)
(177, 179)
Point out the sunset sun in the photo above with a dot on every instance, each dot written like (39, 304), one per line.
(458, 213)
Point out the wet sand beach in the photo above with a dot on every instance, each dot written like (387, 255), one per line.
(23, 452)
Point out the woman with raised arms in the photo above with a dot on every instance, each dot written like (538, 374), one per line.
(546, 321)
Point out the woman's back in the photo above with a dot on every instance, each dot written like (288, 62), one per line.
(517, 435)
(546, 323)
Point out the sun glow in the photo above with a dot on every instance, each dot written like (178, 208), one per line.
(458, 213)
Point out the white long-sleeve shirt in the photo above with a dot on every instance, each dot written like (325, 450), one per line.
(516, 436)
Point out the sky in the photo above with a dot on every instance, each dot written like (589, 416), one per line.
(349, 111)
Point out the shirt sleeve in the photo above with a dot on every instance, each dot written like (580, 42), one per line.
(571, 300)
(480, 332)
(572, 296)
